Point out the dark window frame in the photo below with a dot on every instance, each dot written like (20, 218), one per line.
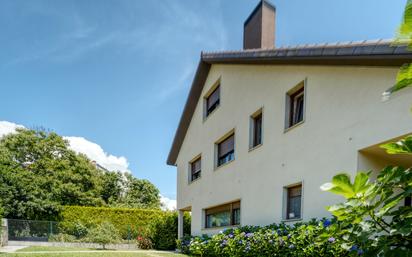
(229, 155)
(195, 174)
(233, 208)
(289, 198)
(257, 129)
(296, 106)
(212, 106)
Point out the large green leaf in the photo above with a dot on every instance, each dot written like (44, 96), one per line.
(360, 184)
(343, 185)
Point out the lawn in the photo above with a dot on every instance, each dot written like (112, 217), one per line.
(38, 251)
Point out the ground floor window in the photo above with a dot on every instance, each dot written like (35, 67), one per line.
(294, 202)
(223, 215)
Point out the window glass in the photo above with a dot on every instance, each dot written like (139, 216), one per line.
(223, 215)
(294, 202)
(212, 102)
(196, 169)
(297, 107)
(257, 130)
(226, 150)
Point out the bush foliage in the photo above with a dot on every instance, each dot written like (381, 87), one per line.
(302, 239)
(163, 230)
(76, 220)
(104, 234)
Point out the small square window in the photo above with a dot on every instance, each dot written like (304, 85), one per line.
(195, 169)
(295, 106)
(256, 129)
(212, 100)
(294, 202)
(226, 150)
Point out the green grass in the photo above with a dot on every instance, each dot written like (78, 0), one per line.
(51, 248)
(85, 254)
(43, 251)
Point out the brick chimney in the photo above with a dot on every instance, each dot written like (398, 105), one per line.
(259, 27)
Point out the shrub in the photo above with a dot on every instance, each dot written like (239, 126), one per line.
(144, 243)
(76, 220)
(163, 230)
(63, 238)
(315, 238)
(104, 234)
(373, 214)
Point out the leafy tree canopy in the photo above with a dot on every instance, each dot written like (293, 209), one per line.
(39, 174)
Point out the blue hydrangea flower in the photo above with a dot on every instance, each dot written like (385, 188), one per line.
(327, 223)
(353, 248)
(331, 239)
(292, 246)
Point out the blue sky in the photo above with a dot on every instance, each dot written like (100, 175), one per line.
(118, 72)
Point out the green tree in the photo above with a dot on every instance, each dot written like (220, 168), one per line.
(39, 173)
(104, 234)
(141, 193)
(112, 187)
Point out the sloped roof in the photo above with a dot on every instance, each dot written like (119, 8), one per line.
(361, 53)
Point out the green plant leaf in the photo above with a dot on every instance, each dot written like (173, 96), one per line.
(360, 183)
(343, 185)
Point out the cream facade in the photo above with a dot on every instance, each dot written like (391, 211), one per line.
(345, 118)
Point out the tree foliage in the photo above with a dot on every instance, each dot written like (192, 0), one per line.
(39, 174)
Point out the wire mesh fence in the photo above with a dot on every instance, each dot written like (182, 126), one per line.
(31, 230)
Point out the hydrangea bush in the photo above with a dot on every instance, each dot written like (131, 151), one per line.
(314, 238)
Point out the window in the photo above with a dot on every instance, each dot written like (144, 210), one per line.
(296, 106)
(213, 100)
(195, 169)
(223, 216)
(256, 129)
(294, 201)
(226, 150)
(408, 201)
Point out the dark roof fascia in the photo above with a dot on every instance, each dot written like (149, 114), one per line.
(192, 99)
(267, 3)
(395, 58)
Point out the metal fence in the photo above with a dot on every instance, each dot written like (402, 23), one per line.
(31, 230)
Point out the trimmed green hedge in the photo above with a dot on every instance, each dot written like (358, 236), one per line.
(129, 222)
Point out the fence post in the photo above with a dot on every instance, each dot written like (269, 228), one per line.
(4, 236)
(51, 228)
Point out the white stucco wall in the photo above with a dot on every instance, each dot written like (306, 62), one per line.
(344, 113)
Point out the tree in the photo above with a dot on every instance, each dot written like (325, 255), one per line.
(140, 193)
(39, 173)
(112, 187)
(104, 234)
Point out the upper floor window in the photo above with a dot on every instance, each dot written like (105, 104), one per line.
(256, 129)
(294, 202)
(195, 169)
(226, 150)
(295, 105)
(223, 215)
(213, 100)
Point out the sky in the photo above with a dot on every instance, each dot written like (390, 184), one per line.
(113, 76)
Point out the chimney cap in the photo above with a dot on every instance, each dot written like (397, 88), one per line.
(259, 5)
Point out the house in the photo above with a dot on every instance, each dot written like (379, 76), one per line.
(264, 127)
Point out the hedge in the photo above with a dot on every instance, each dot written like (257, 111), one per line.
(76, 220)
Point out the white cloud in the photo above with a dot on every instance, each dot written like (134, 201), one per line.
(167, 204)
(81, 145)
(8, 127)
(96, 153)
